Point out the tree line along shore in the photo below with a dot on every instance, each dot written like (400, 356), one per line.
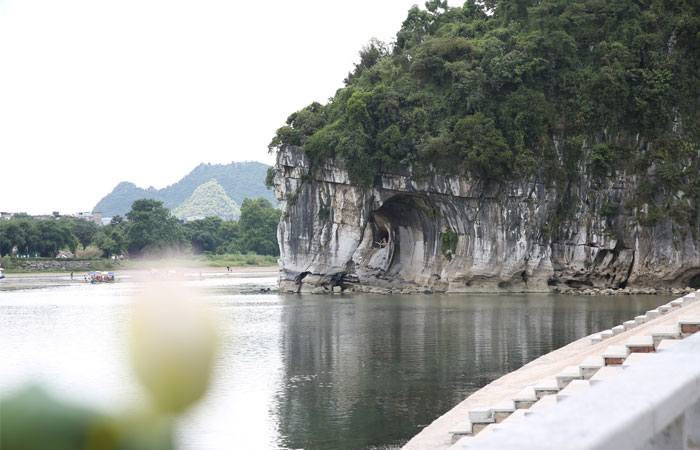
(148, 232)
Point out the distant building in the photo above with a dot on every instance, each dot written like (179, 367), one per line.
(44, 217)
(191, 219)
(6, 215)
(94, 216)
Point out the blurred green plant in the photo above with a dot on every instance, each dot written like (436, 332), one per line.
(34, 420)
(173, 342)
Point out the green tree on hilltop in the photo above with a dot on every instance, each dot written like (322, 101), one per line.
(207, 200)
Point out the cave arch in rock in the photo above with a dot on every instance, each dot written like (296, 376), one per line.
(694, 282)
(411, 225)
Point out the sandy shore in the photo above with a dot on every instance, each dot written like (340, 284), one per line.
(436, 435)
(242, 272)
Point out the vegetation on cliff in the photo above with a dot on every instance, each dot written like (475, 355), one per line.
(511, 89)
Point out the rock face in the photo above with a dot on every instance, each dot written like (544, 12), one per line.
(453, 234)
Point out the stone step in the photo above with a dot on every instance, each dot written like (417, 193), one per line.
(641, 319)
(664, 308)
(517, 415)
(525, 398)
(546, 386)
(628, 325)
(661, 332)
(607, 334)
(463, 428)
(590, 366)
(640, 344)
(634, 358)
(596, 338)
(615, 355)
(502, 410)
(690, 298)
(567, 375)
(463, 442)
(689, 325)
(618, 329)
(677, 303)
(604, 373)
(666, 344)
(480, 415)
(573, 388)
(544, 402)
(653, 314)
(483, 433)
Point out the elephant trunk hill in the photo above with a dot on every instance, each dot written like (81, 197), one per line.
(455, 234)
(525, 146)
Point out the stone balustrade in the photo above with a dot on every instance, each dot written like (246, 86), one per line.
(644, 394)
(652, 404)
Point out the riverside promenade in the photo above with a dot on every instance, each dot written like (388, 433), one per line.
(601, 390)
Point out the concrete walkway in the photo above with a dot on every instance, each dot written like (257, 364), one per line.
(437, 436)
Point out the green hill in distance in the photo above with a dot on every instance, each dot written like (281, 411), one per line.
(209, 199)
(238, 179)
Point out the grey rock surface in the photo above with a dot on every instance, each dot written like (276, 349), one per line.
(453, 234)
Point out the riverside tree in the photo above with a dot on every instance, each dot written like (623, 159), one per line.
(111, 239)
(84, 230)
(151, 229)
(258, 227)
(53, 236)
(12, 234)
(203, 234)
(45, 237)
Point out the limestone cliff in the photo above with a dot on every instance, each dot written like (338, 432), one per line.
(455, 234)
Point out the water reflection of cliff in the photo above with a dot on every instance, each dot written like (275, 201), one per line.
(370, 371)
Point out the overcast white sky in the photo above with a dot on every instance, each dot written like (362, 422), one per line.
(94, 92)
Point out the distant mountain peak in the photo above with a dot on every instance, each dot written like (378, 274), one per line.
(237, 179)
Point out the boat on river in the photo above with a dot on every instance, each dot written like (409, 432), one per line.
(1, 275)
(101, 277)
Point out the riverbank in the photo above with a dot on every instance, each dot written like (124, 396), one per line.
(437, 436)
(68, 265)
(241, 272)
(626, 291)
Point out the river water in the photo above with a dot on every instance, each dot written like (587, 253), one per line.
(313, 372)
